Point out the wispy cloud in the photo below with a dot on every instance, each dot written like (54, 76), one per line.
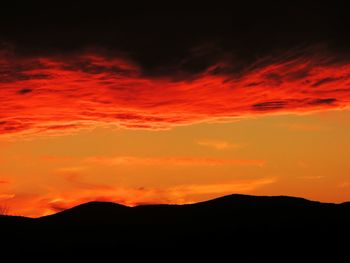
(71, 169)
(237, 186)
(182, 194)
(170, 161)
(218, 144)
(78, 182)
(57, 199)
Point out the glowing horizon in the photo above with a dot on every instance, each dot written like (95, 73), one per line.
(296, 155)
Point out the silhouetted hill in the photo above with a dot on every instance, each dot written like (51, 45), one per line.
(14, 220)
(89, 212)
(246, 226)
(248, 200)
(233, 207)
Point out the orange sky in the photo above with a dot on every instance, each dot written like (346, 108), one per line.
(299, 155)
(95, 128)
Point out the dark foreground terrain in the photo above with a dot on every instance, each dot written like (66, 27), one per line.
(231, 227)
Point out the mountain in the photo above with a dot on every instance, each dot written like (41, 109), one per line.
(253, 227)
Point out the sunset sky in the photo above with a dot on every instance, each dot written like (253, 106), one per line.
(119, 107)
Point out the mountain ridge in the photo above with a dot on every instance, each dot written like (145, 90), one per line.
(232, 199)
(248, 226)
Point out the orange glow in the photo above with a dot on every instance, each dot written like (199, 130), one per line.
(91, 127)
(178, 161)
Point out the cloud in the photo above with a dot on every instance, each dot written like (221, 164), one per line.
(218, 144)
(74, 176)
(60, 94)
(80, 188)
(170, 161)
(70, 169)
(237, 186)
(24, 91)
(269, 105)
(54, 158)
(78, 182)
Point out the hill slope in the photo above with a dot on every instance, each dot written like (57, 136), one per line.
(244, 225)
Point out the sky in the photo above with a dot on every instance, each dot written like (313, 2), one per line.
(143, 105)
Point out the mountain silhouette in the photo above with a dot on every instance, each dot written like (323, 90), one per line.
(253, 227)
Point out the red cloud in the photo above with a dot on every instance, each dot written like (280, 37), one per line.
(52, 94)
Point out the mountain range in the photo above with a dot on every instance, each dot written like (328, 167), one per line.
(252, 227)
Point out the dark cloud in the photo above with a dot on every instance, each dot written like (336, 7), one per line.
(177, 40)
(269, 105)
(323, 101)
(117, 93)
(324, 81)
(154, 67)
(14, 126)
(25, 91)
